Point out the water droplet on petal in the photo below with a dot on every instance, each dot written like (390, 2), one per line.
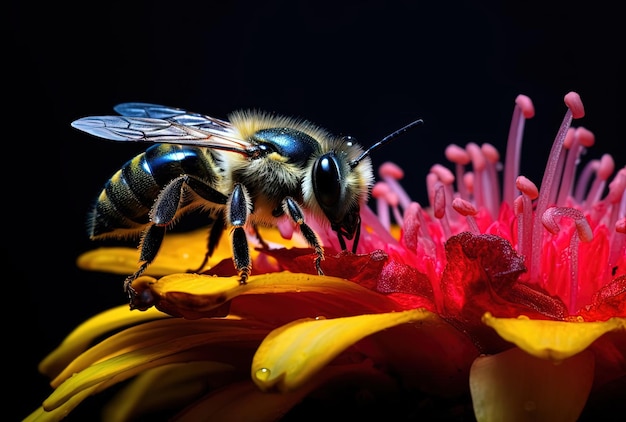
(263, 374)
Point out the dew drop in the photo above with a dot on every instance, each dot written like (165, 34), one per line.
(263, 374)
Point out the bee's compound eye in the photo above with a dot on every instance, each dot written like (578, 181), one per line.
(327, 180)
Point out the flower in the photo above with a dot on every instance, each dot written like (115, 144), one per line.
(510, 304)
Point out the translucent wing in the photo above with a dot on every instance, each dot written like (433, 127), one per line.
(144, 122)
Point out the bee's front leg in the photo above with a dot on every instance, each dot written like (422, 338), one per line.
(238, 211)
(293, 210)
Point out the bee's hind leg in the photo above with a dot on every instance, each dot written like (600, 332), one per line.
(293, 210)
(215, 233)
(151, 240)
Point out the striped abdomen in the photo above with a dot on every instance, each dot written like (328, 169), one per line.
(124, 204)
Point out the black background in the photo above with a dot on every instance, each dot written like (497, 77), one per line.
(363, 68)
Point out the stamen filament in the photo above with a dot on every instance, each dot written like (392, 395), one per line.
(460, 158)
(583, 232)
(605, 168)
(572, 101)
(391, 173)
(525, 217)
(491, 195)
(523, 110)
(379, 192)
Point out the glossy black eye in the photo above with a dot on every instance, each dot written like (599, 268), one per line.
(327, 180)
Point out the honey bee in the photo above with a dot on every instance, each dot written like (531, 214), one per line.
(245, 172)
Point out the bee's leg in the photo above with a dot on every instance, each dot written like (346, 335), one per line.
(168, 202)
(215, 233)
(151, 240)
(161, 215)
(293, 210)
(238, 211)
(212, 195)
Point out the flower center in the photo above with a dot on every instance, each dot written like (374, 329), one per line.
(564, 226)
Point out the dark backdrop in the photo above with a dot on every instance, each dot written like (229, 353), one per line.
(363, 68)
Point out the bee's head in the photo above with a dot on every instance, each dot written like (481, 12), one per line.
(341, 180)
(340, 190)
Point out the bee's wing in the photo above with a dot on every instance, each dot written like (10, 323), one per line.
(143, 122)
(173, 114)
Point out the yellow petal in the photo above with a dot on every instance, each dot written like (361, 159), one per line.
(83, 335)
(554, 340)
(514, 386)
(243, 401)
(170, 335)
(191, 295)
(292, 354)
(166, 387)
(59, 413)
(180, 252)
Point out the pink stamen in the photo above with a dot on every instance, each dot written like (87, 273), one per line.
(391, 173)
(393, 201)
(574, 104)
(411, 226)
(529, 193)
(431, 182)
(605, 168)
(478, 164)
(617, 198)
(379, 192)
(572, 149)
(583, 180)
(618, 243)
(491, 185)
(466, 209)
(460, 158)
(371, 220)
(445, 176)
(443, 173)
(439, 208)
(468, 182)
(414, 221)
(583, 232)
(583, 229)
(523, 110)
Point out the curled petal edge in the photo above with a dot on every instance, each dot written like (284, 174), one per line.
(552, 340)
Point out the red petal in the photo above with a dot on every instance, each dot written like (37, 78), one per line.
(609, 301)
(401, 278)
(363, 269)
(481, 275)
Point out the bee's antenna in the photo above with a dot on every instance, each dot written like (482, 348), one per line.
(383, 141)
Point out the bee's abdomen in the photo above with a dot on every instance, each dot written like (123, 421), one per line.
(123, 207)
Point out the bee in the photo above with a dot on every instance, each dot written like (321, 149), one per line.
(246, 172)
